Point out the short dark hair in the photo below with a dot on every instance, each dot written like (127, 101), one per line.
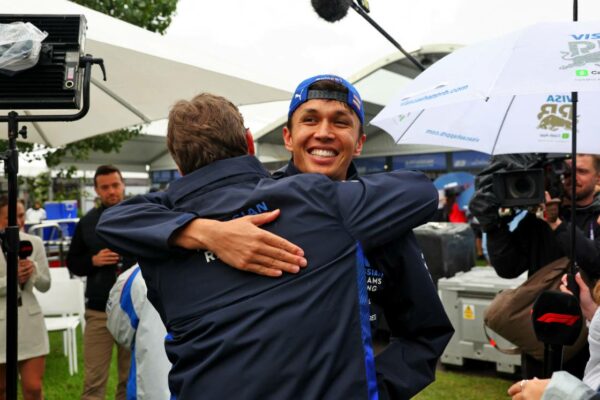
(330, 86)
(4, 201)
(203, 130)
(106, 170)
(596, 162)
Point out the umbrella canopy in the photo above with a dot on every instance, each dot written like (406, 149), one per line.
(146, 74)
(462, 183)
(506, 95)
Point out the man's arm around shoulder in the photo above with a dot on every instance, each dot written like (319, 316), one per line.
(380, 207)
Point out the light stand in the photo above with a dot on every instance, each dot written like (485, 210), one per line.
(11, 245)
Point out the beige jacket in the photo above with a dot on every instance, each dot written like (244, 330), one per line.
(33, 338)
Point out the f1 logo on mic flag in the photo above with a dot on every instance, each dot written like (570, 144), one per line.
(564, 319)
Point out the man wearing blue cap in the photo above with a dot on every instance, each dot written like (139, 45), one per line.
(324, 132)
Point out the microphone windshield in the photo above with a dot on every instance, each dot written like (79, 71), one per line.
(556, 318)
(25, 249)
(331, 10)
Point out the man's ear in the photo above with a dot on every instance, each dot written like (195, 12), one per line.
(250, 142)
(359, 144)
(287, 139)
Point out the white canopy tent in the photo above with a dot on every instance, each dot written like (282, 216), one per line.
(282, 42)
(146, 74)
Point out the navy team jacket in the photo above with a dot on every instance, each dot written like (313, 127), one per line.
(236, 335)
(400, 289)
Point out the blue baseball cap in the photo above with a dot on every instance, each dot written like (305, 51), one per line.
(302, 94)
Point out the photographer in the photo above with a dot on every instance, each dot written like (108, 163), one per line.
(543, 237)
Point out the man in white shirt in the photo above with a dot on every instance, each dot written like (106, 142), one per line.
(35, 214)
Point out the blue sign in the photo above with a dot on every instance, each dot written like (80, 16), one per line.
(164, 176)
(435, 161)
(370, 165)
(470, 159)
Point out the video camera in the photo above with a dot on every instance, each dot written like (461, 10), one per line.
(524, 187)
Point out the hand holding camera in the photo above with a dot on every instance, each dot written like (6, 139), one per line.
(550, 214)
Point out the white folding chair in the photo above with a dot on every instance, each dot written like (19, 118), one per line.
(63, 274)
(63, 307)
(59, 274)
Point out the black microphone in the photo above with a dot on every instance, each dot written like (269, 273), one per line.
(331, 10)
(557, 322)
(25, 249)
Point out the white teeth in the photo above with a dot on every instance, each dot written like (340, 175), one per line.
(322, 153)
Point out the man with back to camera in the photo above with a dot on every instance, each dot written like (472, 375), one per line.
(310, 330)
(89, 256)
(318, 139)
(537, 242)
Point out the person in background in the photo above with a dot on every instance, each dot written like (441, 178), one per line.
(33, 337)
(89, 256)
(563, 385)
(35, 214)
(536, 242)
(136, 325)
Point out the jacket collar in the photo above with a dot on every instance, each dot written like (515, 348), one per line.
(216, 172)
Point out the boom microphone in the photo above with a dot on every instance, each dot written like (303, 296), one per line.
(331, 10)
(334, 10)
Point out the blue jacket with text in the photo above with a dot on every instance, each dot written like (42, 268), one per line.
(233, 334)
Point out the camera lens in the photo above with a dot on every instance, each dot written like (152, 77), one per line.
(521, 187)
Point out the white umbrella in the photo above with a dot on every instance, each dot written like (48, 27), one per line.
(506, 95)
(146, 74)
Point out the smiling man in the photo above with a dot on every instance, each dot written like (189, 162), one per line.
(327, 134)
(324, 132)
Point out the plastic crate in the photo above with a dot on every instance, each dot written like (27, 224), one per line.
(447, 247)
(465, 297)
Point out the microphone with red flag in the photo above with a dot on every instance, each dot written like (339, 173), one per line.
(557, 322)
(25, 249)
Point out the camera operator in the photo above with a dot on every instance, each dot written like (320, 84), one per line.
(543, 237)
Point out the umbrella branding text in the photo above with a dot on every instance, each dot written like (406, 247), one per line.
(586, 36)
(556, 115)
(410, 100)
(582, 52)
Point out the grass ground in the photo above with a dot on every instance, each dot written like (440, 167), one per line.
(58, 384)
(474, 382)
